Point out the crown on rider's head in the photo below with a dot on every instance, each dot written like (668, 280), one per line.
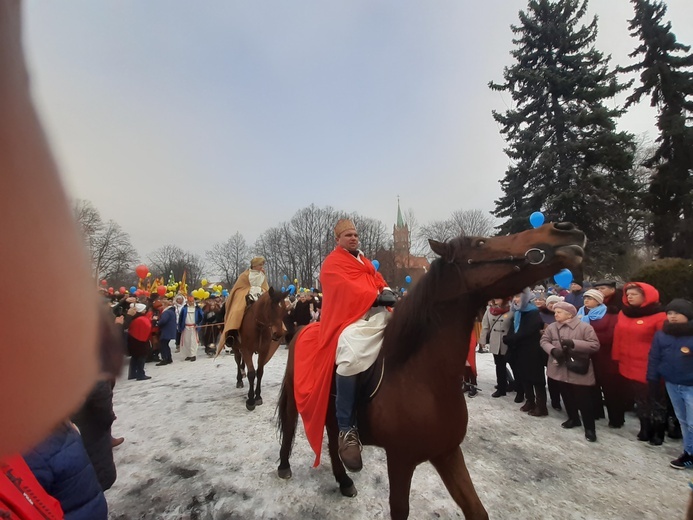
(343, 225)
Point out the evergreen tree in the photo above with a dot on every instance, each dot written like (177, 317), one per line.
(666, 75)
(568, 160)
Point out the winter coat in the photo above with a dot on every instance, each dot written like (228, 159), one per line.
(604, 328)
(547, 316)
(671, 355)
(168, 324)
(634, 332)
(94, 421)
(524, 351)
(21, 496)
(62, 467)
(199, 316)
(498, 327)
(576, 298)
(585, 342)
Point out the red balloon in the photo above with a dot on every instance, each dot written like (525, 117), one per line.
(146, 293)
(104, 282)
(138, 292)
(161, 290)
(142, 271)
(122, 290)
(110, 290)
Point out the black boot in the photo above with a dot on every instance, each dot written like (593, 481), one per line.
(657, 436)
(645, 430)
(674, 428)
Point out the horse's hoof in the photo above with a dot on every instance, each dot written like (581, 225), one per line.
(349, 491)
(239, 384)
(284, 473)
(258, 401)
(250, 405)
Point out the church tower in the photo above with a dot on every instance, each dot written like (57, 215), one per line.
(401, 241)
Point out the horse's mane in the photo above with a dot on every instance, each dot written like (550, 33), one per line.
(414, 318)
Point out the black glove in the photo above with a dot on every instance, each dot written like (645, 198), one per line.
(558, 355)
(385, 299)
(568, 343)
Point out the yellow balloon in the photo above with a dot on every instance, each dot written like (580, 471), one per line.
(204, 282)
(295, 280)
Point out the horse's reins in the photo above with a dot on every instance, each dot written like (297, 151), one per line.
(533, 256)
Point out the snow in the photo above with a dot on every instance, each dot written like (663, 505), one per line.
(193, 451)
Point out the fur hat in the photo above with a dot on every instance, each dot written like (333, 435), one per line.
(595, 294)
(140, 307)
(257, 261)
(342, 226)
(682, 307)
(554, 299)
(567, 307)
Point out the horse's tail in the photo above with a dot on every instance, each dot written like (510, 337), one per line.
(287, 413)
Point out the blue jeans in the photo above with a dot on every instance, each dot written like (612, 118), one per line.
(682, 400)
(345, 401)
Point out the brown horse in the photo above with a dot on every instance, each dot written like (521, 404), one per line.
(261, 330)
(419, 413)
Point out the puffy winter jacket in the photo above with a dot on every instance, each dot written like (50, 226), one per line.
(634, 332)
(671, 355)
(61, 465)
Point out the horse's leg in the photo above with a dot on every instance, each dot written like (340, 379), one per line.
(453, 471)
(239, 372)
(261, 360)
(399, 473)
(287, 414)
(248, 358)
(346, 485)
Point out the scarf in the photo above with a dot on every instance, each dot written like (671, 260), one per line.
(519, 312)
(595, 314)
(640, 312)
(497, 311)
(678, 329)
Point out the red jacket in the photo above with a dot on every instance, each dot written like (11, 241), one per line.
(21, 496)
(633, 335)
(349, 289)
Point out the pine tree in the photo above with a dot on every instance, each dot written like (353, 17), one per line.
(568, 160)
(666, 75)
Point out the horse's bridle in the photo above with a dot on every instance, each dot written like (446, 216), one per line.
(533, 256)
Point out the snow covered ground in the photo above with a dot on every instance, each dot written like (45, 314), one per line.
(193, 451)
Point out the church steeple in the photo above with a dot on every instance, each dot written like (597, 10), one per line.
(400, 220)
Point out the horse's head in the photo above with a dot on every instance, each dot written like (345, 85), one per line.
(502, 266)
(274, 312)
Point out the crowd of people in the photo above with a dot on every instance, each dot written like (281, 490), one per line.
(595, 347)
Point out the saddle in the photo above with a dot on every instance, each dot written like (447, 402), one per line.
(367, 382)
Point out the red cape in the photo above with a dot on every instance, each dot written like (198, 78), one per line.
(349, 289)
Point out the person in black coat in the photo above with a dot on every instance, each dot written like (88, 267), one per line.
(527, 355)
(94, 420)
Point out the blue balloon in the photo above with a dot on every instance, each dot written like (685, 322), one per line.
(285, 277)
(563, 278)
(536, 219)
(401, 290)
(133, 289)
(225, 292)
(376, 264)
(283, 289)
(312, 289)
(407, 279)
(291, 288)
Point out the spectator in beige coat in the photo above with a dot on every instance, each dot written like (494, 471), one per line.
(495, 324)
(571, 338)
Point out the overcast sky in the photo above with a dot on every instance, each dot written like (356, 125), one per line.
(188, 121)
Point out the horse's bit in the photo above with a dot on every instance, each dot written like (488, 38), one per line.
(533, 256)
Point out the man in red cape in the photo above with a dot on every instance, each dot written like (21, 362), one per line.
(350, 286)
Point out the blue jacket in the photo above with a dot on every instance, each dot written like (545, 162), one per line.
(199, 316)
(671, 358)
(168, 324)
(577, 299)
(61, 465)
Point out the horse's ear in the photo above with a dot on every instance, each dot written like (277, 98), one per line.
(271, 292)
(442, 249)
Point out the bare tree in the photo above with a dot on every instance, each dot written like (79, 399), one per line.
(230, 258)
(110, 250)
(372, 235)
(172, 259)
(472, 223)
(418, 245)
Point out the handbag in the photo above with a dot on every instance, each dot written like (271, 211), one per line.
(574, 362)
